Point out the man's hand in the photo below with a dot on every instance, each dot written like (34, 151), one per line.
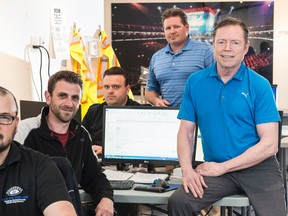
(210, 169)
(161, 103)
(105, 208)
(194, 182)
(97, 149)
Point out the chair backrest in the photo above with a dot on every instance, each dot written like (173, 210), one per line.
(280, 132)
(67, 171)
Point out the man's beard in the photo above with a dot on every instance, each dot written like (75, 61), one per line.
(4, 146)
(60, 116)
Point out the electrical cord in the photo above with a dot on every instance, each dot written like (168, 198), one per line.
(48, 56)
(40, 71)
(40, 74)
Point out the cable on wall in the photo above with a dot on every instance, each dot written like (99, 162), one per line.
(40, 70)
(48, 56)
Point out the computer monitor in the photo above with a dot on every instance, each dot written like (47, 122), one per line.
(275, 93)
(198, 156)
(140, 135)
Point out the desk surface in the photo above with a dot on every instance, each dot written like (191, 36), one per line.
(133, 196)
(143, 197)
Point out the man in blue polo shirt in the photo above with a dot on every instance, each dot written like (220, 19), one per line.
(236, 113)
(171, 66)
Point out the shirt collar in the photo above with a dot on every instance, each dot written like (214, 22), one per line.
(14, 154)
(239, 75)
(188, 46)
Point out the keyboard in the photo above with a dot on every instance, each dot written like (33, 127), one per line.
(121, 184)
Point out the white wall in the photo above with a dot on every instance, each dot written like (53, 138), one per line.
(19, 20)
(280, 58)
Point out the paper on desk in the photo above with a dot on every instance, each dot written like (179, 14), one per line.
(117, 175)
(147, 178)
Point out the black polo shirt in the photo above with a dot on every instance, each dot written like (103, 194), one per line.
(29, 182)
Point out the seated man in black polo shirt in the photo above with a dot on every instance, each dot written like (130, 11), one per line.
(30, 183)
(116, 84)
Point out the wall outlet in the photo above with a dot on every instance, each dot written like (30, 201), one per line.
(36, 40)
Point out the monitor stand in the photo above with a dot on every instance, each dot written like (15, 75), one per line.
(122, 166)
(146, 168)
(160, 170)
(151, 168)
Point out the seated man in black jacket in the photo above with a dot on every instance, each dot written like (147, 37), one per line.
(116, 88)
(60, 135)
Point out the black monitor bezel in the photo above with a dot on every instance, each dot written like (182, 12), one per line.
(195, 162)
(133, 161)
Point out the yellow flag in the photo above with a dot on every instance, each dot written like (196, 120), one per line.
(92, 71)
(108, 60)
(79, 65)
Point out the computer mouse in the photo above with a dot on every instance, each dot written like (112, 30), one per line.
(160, 183)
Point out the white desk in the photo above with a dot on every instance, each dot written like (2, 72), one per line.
(143, 197)
(133, 196)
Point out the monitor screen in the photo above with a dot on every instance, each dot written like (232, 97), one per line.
(198, 156)
(140, 134)
(274, 90)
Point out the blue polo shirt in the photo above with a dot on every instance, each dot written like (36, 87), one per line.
(227, 114)
(168, 71)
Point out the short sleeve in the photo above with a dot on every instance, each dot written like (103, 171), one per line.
(50, 183)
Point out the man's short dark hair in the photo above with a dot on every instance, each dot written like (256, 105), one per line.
(4, 91)
(174, 12)
(118, 71)
(232, 21)
(68, 76)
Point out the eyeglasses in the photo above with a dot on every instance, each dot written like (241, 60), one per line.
(7, 119)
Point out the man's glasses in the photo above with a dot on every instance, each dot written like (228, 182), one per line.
(7, 119)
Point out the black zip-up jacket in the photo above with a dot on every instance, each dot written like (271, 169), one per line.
(78, 151)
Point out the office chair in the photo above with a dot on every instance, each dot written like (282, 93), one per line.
(71, 183)
(241, 200)
(281, 154)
